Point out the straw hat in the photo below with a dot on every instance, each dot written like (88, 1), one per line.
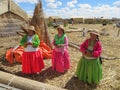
(31, 28)
(94, 32)
(60, 26)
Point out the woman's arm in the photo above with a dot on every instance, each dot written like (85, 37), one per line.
(83, 46)
(36, 41)
(23, 40)
(98, 50)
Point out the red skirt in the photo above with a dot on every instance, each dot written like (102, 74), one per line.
(32, 62)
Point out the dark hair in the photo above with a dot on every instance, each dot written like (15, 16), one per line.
(33, 31)
(97, 38)
(63, 31)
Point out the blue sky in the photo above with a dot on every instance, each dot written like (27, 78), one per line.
(74, 8)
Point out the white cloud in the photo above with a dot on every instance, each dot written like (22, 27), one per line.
(59, 3)
(28, 1)
(72, 3)
(51, 5)
(54, 5)
(99, 11)
(86, 11)
(117, 3)
(33, 1)
(86, 6)
(30, 12)
(50, 0)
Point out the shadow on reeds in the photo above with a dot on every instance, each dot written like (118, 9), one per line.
(4, 62)
(75, 84)
(43, 76)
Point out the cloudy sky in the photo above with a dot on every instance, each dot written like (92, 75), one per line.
(74, 8)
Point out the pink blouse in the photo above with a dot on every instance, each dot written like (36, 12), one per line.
(97, 48)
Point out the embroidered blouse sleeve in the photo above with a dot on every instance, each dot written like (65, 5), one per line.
(98, 50)
(23, 40)
(83, 46)
(36, 41)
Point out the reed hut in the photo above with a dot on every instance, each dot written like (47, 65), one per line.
(12, 17)
(55, 19)
(77, 20)
(90, 21)
(11, 10)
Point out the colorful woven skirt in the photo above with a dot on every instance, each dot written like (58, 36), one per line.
(32, 62)
(60, 61)
(89, 71)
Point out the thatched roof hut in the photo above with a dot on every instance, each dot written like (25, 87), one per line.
(12, 17)
(11, 9)
(55, 19)
(77, 20)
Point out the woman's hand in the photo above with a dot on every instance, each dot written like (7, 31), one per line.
(27, 43)
(60, 45)
(89, 54)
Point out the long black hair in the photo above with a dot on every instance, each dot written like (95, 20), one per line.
(97, 39)
(63, 31)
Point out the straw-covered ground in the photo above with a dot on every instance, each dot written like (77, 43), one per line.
(111, 68)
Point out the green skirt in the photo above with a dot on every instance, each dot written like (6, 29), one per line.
(89, 71)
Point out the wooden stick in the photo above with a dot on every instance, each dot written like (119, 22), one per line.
(109, 58)
(74, 43)
(24, 29)
(74, 46)
(69, 31)
(19, 33)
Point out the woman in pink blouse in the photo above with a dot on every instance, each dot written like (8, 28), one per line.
(60, 56)
(89, 68)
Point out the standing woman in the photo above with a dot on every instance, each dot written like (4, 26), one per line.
(32, 60)
(60, 56)
(89, 68)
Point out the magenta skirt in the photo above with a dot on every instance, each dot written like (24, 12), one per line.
(60, 61)
(32, 62)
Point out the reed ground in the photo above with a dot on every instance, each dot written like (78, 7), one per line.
(111, 68)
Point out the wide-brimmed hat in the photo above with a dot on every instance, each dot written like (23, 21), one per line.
(94, 32)
(31, 28)
(61, 27)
